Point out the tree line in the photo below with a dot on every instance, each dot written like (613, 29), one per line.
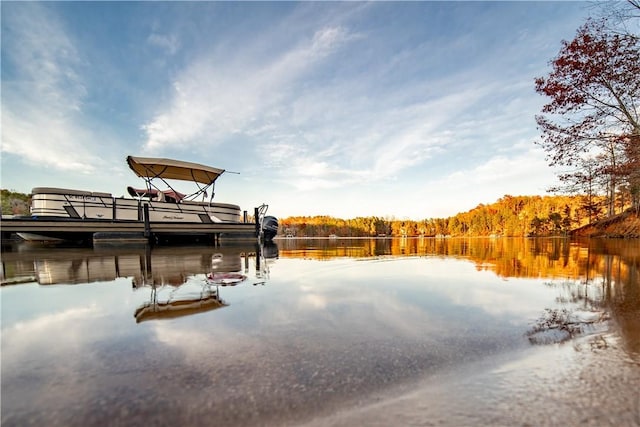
(511, 216)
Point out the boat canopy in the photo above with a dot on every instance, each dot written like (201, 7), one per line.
(149, 168)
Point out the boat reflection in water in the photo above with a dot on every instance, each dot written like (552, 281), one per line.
(180, 280)
(197, 295)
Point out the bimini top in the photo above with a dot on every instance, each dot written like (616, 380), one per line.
(149, 168)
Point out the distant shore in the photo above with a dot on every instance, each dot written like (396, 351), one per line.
(534, 216)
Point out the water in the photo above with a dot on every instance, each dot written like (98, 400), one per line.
(324, 332)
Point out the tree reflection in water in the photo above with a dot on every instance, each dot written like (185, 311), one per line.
(600, 275)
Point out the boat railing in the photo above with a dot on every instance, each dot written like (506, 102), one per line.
(261, 213)
(69, 192)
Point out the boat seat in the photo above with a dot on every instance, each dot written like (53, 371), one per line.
(135, 192)
(173, 196)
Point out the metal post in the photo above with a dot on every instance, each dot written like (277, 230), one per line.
(147, 226)
(257, 218)
(258, 256)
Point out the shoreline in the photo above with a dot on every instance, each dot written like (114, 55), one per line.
(590, 380)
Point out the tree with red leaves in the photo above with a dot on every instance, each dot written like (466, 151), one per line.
(594, 107)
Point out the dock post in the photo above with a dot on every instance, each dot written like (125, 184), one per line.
(257, 219)
(258, 256)
(6, 236)
(147, 226)
(148, 271)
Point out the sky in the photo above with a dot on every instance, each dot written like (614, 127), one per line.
(393, 109)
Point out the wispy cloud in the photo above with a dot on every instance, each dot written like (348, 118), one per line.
(521, 172)
(323, 113)
(213, 99)
(372, 140)
(43, 94)
(168, 42)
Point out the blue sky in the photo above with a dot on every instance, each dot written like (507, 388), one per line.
(407, 110)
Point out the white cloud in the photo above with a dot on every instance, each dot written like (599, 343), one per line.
(317, 124)
(521, 173)
(168, 43)
(45, 140)
(43, 97)
(328, 39)
(213, 99)
(44, 329)
(372, 141)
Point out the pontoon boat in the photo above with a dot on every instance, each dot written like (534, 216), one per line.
(151, 205)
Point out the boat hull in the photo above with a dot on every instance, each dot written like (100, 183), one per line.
(33, 237)
(59, 214)
(75, 204)
(84, 231)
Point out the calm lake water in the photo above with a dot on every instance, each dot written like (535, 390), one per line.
(323, 332)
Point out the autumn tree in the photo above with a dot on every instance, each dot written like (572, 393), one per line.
(14, 203)
(622, 15)
(584, 180)
(630, 171)
(594, 92)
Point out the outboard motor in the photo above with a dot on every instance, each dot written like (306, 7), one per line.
(270, 250)
(269, 227)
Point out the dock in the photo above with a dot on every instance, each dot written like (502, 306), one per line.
(88, 230)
